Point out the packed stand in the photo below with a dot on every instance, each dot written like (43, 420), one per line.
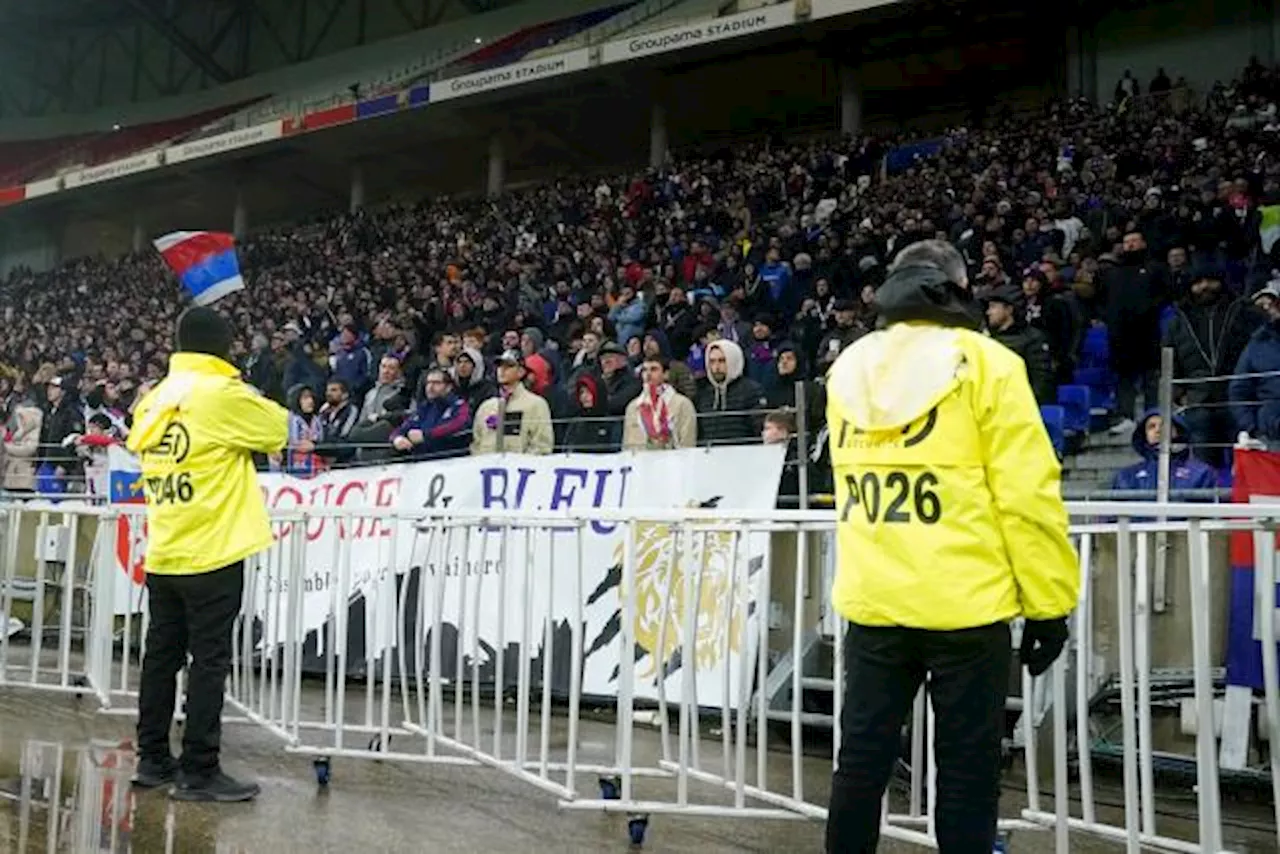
(701, 304)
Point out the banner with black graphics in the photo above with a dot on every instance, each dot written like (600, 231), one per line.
(485, 583)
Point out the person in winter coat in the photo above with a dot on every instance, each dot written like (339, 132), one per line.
(387, 398)
(1185, 471)
(306, 432)
(1006, 309)
(620, 385)
(527, 426)
(780, 391)
(660, 418)
(469, 381)
(629, 313)
(1208, 332)
(22, 446)
(729, 404)
(951, 526)
(1060, 319)
(62, 419)
(1133, 293)
(351, 361)
(439, 425)
(592, 431)
(1255, 400)
(845, 331)
(679, 375)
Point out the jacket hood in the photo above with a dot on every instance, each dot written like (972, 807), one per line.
(477, 359)
(890, 378)
(660, 338)
(802, 365)
(917, 292)
(599, 398)
(293, 397)
(1150, 452)
(159, 408)
(733, 361)
(540, 373)
(535, 334)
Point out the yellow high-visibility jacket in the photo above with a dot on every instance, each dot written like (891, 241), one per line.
(195, 433)
(947, 487)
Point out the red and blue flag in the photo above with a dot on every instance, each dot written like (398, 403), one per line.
(204, 261)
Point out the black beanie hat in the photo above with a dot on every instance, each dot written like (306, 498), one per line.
(203, 330)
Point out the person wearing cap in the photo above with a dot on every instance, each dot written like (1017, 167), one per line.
(620, 384)
(950, 525)
(1006, 323)
(196, 434)
(63, 417)
(1208, 332)
(845, 332)
(517, 421)
(1255, 400)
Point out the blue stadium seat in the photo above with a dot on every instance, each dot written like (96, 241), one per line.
(1095, 352)
(1054, 421)
(1102, 388)
(1075, 403)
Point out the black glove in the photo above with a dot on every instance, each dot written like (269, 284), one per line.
(1042, 643)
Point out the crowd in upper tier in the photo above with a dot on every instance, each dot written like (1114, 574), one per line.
(701, 302)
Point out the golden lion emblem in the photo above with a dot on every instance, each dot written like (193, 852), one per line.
(663, 557)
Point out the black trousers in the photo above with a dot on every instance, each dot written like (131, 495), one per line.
(190, 615)
(968, 674)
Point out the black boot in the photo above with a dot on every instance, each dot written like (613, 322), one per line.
(216, 787)
(154, 773)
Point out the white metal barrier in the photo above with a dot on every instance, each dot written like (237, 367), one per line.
(495, 638)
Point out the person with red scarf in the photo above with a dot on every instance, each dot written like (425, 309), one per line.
(660, 419)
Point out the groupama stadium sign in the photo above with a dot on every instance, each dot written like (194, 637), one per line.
(627, 49)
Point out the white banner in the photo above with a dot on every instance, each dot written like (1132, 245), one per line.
(510, 75)
(114, 169)
(224, 142)
(542, 565)
(702, 32)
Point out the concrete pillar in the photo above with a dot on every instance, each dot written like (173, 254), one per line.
(850, 102)
(357, 186)
(139, 234)
(240, 216)
(497, 166)
(658, 134)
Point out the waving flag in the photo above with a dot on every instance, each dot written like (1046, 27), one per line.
(204, 261)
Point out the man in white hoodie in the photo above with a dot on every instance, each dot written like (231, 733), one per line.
(730, 406)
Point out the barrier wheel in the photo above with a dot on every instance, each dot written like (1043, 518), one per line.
(323, 771)
(610, 788)
(80, 682)
(636, 827)
(376, 745)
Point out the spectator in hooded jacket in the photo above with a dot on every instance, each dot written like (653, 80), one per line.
(1006, 308)
(469, 381)
(1134, 292)
(306, 432)
(729, 404)
(1185, 471)
(592, 431)
(439, 425)
(660, 418)
(789, 368)
(1208, 332)
(1255, 400)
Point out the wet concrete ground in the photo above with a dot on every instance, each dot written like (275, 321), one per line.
(389, 806)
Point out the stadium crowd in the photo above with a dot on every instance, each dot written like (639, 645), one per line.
(700, 303)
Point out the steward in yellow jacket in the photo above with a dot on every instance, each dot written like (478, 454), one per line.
(196, 433)
(951, 524)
